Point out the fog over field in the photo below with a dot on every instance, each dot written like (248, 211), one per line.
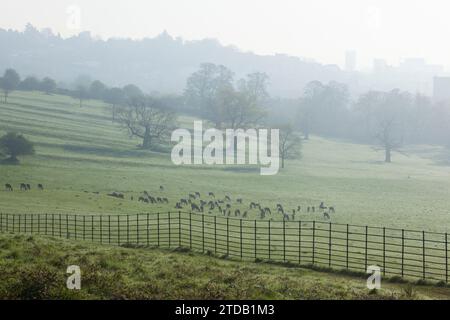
(224, 150)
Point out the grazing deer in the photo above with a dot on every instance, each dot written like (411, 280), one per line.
(227, 198)
(244, 215)
(239, 200)
(267, 210)
(165, 200)
(326, 216)
(194, 207)
(322, 206)
(191, 196)
(331, 209)
(8, 187)
(161, 188)
(299, 209)
(197, 194)
(237, 212)
(23, 187)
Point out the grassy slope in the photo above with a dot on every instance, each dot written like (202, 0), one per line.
(80, 149)
(34, 267)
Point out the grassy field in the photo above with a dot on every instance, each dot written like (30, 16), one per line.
(81, 155)
(80, 151)
(35, 268)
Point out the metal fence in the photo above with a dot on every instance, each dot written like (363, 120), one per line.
(398, 252)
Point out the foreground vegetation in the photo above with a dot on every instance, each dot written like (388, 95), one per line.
(35, 268)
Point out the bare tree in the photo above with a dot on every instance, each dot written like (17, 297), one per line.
(385, 114)
(146, 118)
(290, 143)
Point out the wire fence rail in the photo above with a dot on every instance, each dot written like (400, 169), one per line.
(398, 252)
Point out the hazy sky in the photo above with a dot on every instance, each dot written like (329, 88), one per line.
(318, 29)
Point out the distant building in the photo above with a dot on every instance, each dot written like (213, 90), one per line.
(441, 89)
(350, 61)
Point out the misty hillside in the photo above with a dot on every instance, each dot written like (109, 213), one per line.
(163, 63)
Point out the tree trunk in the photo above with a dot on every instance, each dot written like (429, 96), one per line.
(282, 162)
(147, 142)
(387, 157)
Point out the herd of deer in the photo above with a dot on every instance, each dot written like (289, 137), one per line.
(224, 206)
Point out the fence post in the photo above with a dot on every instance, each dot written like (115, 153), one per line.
(148, 227)
(157, 222)
(384, 251)
(255, 225)
(215, 234)
(92, 228)
(240, 231)
(84, 227)
(19, 222)
(45, 224)
(314, 242)
(228, 243)
(203, 233)
(329, 247)
(67, 226)
(109, 228)
(168, 220)
(423, 255)
(179, 229)
(284, 240)
(137, 228)
(128, 228)
(365, 253)
(101, 229)
(446, 259)
(60, 226)
(39, 223)
(190, 230)
(53, 224)
(300, 242)
(118, 230)
(270, 245)
(403, 249)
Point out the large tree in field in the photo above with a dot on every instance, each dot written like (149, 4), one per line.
(203, 86)
(290, 143)
(48, 85)
(29, 84)
(385, 114)
(146, 118)
(14, 145)
(323, 108)
(9, 82)
(81, 93)
(115, 97)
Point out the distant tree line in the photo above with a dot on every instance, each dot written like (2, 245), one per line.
(386, 120)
